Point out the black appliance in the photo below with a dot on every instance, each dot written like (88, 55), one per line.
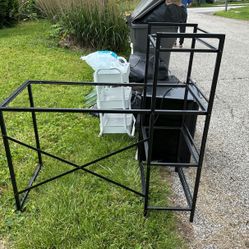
(166, 142)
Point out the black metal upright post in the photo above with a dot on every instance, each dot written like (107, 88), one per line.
(9, 160)
(37, 140)
(185, 99)
(206, 126)
(142, 116)
(191, 56)
(146, 67)
(151, 123)
(38, 148)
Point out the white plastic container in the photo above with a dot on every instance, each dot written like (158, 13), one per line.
(117, 123)
(112, 97)
(114, 75)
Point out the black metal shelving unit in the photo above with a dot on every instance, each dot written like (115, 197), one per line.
(205, 106)
(145, 132)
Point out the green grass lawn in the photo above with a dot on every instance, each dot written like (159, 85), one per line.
(236, 13)
(79, 210)
(219, 3)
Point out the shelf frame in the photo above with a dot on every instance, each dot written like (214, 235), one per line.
(205, 106)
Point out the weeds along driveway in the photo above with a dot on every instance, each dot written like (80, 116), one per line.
(222, 219)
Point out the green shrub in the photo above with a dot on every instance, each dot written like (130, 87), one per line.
(97, 27)
(52, 8)
(92, 24)
(8, 12)
(28, 10)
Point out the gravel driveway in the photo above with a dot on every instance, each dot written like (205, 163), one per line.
(222, 217)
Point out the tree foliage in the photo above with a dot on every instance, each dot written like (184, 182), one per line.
(8, 12)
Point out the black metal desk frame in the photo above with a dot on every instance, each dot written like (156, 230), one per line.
(205, 108)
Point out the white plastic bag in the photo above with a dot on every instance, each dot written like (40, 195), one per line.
(104, 60)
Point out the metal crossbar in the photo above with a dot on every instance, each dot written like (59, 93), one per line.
(77, 167)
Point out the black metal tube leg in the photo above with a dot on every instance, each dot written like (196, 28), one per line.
(198, 173)
(37, 140)
(147, 180)
(196, 188)
(192, 214)
(9, 160)
(147, 186)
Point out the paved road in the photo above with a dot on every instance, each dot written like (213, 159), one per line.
(222, 219)
(212, 9)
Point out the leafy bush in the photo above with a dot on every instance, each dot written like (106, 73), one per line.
(28, 10)
(8, 12)
(94, 24)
